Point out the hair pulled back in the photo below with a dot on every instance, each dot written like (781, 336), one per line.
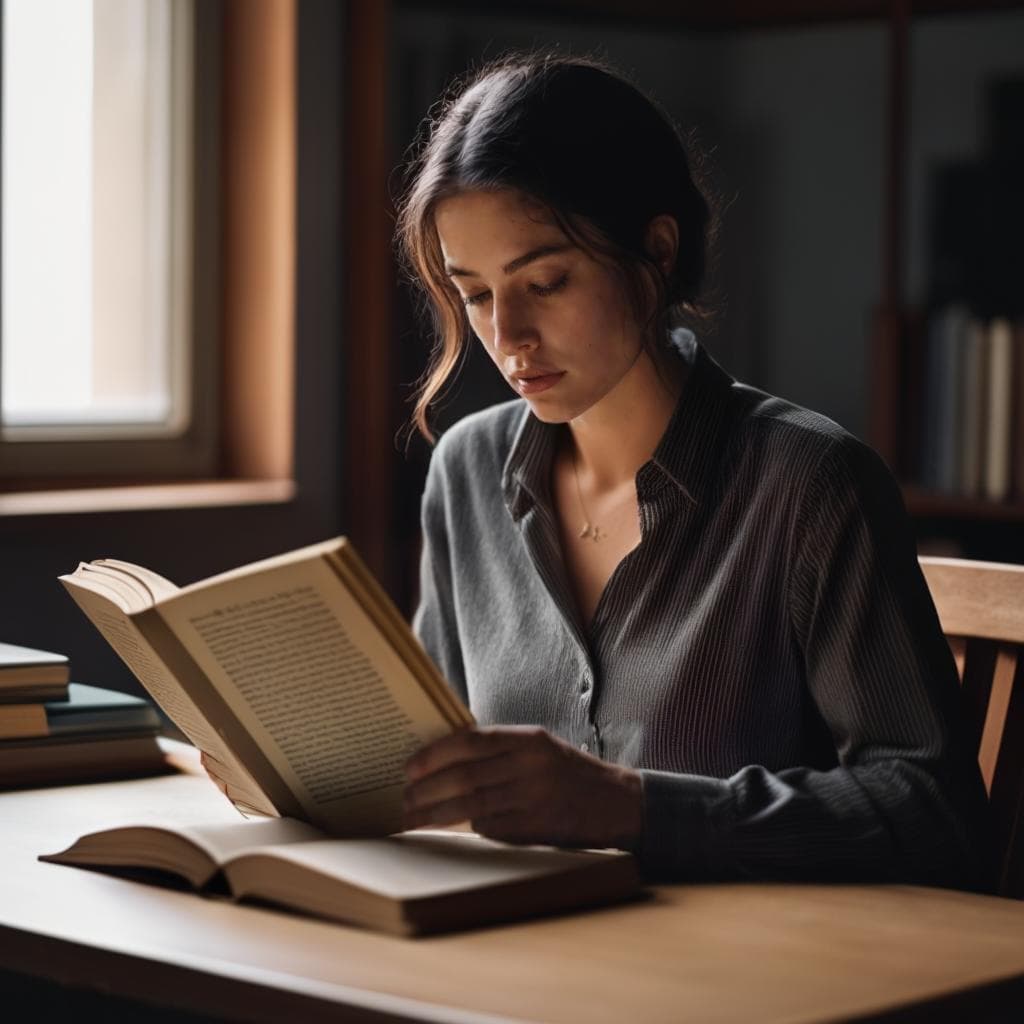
(574, 135)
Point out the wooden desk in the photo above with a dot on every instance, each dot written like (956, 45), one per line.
(762, 953)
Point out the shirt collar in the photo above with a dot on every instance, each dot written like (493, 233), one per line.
(686, 455)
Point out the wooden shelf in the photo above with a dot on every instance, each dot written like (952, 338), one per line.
(924, 504)
(718, 15)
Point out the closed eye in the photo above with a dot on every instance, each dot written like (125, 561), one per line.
(550, 289)
(542, 290)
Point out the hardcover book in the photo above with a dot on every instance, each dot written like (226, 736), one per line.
(27, 674)
(415, 883)
(87, 710)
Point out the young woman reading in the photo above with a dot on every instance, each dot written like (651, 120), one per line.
(687, 614)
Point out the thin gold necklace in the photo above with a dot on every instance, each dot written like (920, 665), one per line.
(589, 532)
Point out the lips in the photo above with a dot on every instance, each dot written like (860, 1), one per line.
(530, 382)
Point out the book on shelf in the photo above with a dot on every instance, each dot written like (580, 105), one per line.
(296, 674)
(998, 446)
(974, 391)
(87, 710)
(972, 415)
(27, 674)
(1017, 430)
(415, 883)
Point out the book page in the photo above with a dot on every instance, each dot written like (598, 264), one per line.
(426, 863)
(329, 703)
(221, 842)
(134, 650)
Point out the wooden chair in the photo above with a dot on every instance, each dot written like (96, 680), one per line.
(981, 608)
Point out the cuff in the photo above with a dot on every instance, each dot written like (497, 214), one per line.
(682, 819)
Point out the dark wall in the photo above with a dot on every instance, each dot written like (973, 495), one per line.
(189, 544)
(793, 122)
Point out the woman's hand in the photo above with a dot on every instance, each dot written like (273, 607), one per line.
(522, 785)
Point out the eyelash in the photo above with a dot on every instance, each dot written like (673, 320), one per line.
(538, 289)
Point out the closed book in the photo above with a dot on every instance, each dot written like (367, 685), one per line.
(951, 339)
(932, 411)
(408, 884)
(68, 759)
(88, 709)
(30, 675)
(998, 451)
(974, 386)
(1017, 456)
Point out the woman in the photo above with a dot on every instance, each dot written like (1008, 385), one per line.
(688, 615)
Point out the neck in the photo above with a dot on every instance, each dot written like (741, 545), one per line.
(618, 434)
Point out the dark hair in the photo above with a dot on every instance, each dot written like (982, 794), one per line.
(574, 135)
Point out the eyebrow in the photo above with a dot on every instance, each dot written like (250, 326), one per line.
(517, 264)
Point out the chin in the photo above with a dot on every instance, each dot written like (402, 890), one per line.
(553, 412)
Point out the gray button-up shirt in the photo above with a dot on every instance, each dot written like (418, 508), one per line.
(768, 656)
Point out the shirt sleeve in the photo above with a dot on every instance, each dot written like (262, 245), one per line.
(906, 801)
(434, 621)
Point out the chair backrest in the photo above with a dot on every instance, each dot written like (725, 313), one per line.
(981, 608)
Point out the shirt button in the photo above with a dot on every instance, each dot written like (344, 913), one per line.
(585, 747)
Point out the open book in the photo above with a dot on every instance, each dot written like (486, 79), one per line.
(418, 882)
(296, 674)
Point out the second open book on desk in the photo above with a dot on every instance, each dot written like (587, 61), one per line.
(414, 883)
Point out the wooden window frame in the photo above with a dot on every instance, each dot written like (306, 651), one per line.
(239, 448)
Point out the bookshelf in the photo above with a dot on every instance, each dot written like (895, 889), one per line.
(911, 292)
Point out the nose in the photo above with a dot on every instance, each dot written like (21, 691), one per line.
(512, 327)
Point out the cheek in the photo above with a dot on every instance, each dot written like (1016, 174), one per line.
(606, 329)
(481, 328)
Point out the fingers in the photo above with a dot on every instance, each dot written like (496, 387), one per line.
(462, 777)
(467, 745)
(479, 771)
(489, 802)
(463, 790)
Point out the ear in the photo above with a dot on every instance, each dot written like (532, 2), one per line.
(661, 240)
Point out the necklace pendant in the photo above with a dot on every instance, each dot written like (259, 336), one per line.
(586, 531)
(598, 534)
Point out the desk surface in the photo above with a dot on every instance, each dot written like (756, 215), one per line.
(704, 953)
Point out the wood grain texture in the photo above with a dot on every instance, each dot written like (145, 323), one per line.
(371, 391)
(713, 953)
(981, 609)
(979, 599)
(259, 237)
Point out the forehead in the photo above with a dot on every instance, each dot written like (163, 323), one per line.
(492, 226)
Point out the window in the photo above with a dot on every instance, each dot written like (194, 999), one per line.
(107, 317)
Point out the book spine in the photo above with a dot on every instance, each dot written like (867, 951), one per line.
(1000, 396)
(972, 409)
(952, 332)
(1018, 411)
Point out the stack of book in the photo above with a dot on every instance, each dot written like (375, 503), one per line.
(972, 416)
(55, 731)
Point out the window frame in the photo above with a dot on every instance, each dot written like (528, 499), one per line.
(27, 457)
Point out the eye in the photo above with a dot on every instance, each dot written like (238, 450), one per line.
(475, 300)
(550, 289)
